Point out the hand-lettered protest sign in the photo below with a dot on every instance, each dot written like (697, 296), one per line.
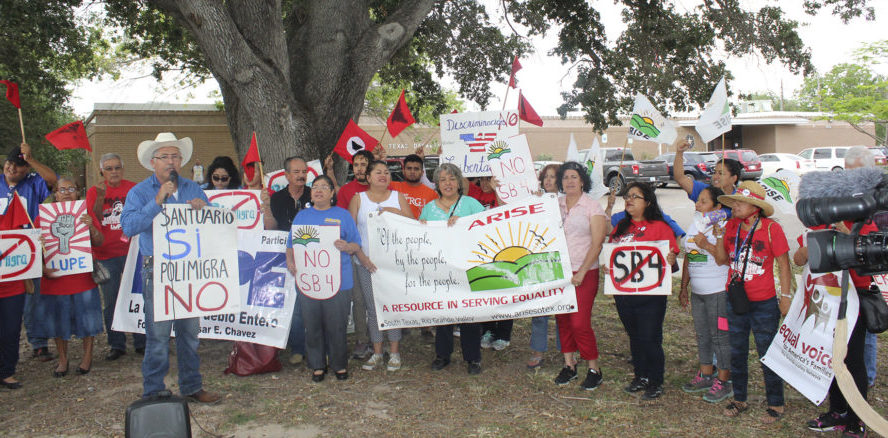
(801, 353)
(505, 263)
(512, 165)
(638, 268)
(317, 260)
(20, 255)
(195, 262)
(245, 204)
(466, 138)
(268, 295)
(66, 239)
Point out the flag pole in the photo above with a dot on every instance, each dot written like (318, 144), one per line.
(723, 145)
(261, 172)
(22, 126)
(506, 98)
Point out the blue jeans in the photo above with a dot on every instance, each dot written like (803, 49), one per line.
(31, 305)
(156, 363)
(110, 289)
(539, 334)
(296, 341)
(763, 320)
(869, 357)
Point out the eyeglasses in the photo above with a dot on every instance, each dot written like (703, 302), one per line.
(168, 157)
(220, 178)
(632, 197)
(111, 169)
(67, 189)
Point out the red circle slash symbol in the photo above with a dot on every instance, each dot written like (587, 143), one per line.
(636, 263)
(19, 240)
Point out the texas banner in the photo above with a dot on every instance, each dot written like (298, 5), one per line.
(504, 263)
(467, 138)
(512, 166)
(20, 255)
(267, 294)
(66, 240)
(801, 353)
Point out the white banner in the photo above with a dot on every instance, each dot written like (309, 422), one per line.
(716, 118)
(66, 240)
(513, 168)
(504, 263)
(638, 268)
(318, 262)
(267, 292)
(782, 189)
(245, 204)
(20, 255)
(648, 124)
(801, 353)
(594, 166)
(466, 138)
(195, 263)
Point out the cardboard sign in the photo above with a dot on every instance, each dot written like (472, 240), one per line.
(245, 204)
(637, 268)
(466, 138)
(20, 255)
(195, 262)
(66, 239)
(512, 166)
(318, 262)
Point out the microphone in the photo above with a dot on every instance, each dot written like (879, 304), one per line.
(840, 184)
(174, 178)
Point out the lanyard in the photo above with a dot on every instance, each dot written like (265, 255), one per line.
(737, 246)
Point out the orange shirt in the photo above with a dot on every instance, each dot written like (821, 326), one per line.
(417, 196)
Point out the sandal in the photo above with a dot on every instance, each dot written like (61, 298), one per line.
(735, 408)
(772, 417)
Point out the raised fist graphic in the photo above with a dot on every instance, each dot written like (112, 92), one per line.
(63, 229)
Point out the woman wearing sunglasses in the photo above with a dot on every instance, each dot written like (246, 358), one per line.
(223, 175)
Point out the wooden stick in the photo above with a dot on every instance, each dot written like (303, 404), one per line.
(723, 145)
(261, 172)
(22, 125)
(506, 97)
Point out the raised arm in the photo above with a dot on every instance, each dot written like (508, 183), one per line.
(684, 181)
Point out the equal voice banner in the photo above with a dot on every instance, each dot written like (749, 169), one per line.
(505, 263)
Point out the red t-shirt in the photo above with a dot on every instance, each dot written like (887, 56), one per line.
(487, 199)
(12, 288)
(767, 243)
(348, 191)
(116, 243)
(647, 231)
(67, 285)
(860, 281)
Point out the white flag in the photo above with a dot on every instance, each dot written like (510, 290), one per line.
(648, 124)
(594, 163)
(572, 153)
(716, 118)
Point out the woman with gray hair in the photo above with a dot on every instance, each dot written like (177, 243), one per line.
(452, 203)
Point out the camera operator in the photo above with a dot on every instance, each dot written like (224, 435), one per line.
(840, 416)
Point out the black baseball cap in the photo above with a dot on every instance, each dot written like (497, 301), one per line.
(15, 156)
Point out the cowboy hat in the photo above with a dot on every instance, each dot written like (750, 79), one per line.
(147, 148)
(749, 192)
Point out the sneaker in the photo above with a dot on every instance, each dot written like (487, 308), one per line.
(593, 380)
(566, 375)
(500, 344)
(394, 363)
(719, 391)
(699, 383)
(439, 363)
(828, 421)
(637, 384)
(474, 368)
(374, 361)
(855, 430)
(652, 392)
(486, 340)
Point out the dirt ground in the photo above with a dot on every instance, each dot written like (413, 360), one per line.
(505, 400)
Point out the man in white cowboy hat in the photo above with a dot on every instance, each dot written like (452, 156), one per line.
(164, 155)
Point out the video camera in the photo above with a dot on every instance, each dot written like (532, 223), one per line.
(857, 195)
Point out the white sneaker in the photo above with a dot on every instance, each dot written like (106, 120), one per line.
(486, 340)
(394, 363)
(500, 344)
(373, 362)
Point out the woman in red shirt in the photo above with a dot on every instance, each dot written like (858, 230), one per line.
(642, 315)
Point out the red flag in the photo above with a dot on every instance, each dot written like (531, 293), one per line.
(251, 158)
(400, 117)
(12, 93)
(526, 112)
(515, 67)
(16, 216)
(70, 136)
(352, 140)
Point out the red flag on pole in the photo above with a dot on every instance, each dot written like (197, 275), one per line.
(16, 216)
(352, 140)
(12, 93)
(400, 118)
(526, 112)
(251, 158)
(515, 67)
(70, 136)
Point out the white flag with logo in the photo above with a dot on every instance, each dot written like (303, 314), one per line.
(594, 163)
(648, 124)
(716, 118)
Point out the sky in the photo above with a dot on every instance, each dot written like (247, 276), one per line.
(831, 42)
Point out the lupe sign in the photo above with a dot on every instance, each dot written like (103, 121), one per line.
(66, 239)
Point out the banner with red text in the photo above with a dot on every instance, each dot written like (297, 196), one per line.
(505, 263)
(801, 353)
(636, 268)
(245, 205)
(20, 255)
(467, 138)
(513, 168)
(66, 243)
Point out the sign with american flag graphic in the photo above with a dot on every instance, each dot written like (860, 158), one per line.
(466, 138)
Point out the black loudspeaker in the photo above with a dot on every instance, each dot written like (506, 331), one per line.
(162, 415)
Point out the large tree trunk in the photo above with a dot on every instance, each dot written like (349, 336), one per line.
(296, 83)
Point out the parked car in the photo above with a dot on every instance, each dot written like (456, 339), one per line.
(697, 165)
(778, 161)
(752, 166)
(826, 157)
(617, 177)
(539, 165)
(881, 155)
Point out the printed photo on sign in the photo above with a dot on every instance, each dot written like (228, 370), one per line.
(512, 165)
(466, 138)
(245, 205)
(317, 260)
(636, 268)
(20, 255)
(66, 240)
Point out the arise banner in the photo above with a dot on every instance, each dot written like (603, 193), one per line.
(466, 138)
(66, 240)
(638, 268)
(20, 255)
(195, 262)
(318, 262)
(245, 204)
(512, 166)
(801, 353)
(504, 263)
